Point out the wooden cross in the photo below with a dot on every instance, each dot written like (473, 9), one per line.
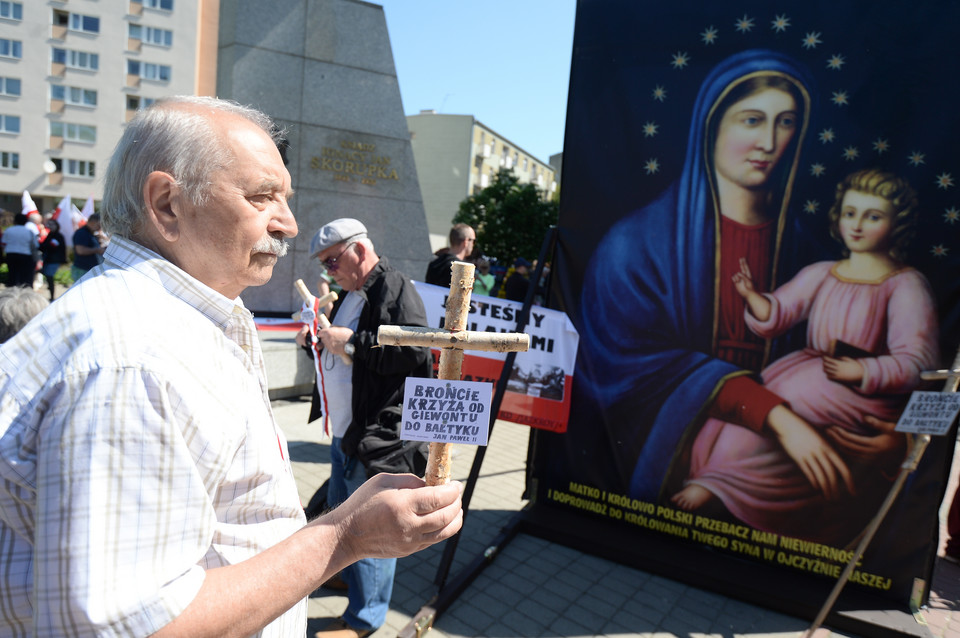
(322, 320)
(452, 341)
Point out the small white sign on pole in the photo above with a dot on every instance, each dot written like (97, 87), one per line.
(929, 413)
(439, 410)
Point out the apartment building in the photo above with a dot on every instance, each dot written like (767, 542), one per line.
(456, 157)
(73, 72)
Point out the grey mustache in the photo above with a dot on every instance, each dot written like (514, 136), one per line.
(271, 245)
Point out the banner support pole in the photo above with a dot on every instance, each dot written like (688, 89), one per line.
(910, 464)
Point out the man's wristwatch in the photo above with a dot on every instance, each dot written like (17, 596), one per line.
(349, 349)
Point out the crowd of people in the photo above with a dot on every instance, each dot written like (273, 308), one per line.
(118, 385)
(34, 250)
(512, 284)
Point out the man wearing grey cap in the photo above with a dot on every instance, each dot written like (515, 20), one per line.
(352, 395)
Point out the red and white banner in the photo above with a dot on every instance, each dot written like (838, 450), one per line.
(538, 392)
(277, 324)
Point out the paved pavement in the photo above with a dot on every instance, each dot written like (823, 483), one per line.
(536, 588)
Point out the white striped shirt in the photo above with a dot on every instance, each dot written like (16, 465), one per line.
(137, 449)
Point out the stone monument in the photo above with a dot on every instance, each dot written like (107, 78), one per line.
(324, 70)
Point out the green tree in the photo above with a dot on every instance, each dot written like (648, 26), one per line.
(511, 219)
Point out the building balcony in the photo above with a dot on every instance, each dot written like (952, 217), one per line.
(56, 106)
(134, 45)
(58, 69)
(133, 80)
(55, 179)
(56, 142)
(58, 32)
(136, 9)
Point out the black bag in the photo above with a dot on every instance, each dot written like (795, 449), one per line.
(381, 450)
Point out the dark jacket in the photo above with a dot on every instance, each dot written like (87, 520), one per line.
(379, 373)
(515, 288)
(54, 248)
(438, 271)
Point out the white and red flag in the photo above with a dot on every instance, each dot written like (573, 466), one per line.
(64, 216)
(88, 208)
(27, 203)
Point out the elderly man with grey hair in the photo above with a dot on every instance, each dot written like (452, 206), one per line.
(145, 488)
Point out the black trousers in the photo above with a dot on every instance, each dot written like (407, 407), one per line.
(21, 269)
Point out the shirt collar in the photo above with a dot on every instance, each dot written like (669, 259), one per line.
(129, 255)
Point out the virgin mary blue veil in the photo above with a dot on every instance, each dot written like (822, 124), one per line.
(647, 312)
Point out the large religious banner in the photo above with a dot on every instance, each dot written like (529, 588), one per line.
(758, 246)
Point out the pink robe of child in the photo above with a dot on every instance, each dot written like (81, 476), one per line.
(893, 319)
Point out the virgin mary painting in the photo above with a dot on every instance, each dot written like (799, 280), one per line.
(664, 343)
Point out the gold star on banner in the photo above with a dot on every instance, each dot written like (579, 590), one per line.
(827, 135)
(650, 129)
(944, 181)
(744, 24)
(811, 40)
(840, 98)
(780, 24)
(811, 206)
(881, 146)
(680, 60)
(916, 158)
(939, 250)
(817, 169)
(835, 62)
(710, 35)
(850, 153)
(659, 94)
(951, 215)
(652, 166)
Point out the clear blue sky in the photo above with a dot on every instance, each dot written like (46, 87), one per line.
(506, 62)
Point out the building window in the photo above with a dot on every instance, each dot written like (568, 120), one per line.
(80, 168)
(148, 71)
(11, 48)
(74, 168)
(9, 86)
(74, 132)
(11, 10)
(88, 24)
(9, 160)
(135, 102)
(10, 123)
(76, 21)
(166, 5)
(151, 35)
(74, 95)
(77, 59)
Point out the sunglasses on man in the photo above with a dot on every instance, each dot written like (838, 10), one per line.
(330, 263)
